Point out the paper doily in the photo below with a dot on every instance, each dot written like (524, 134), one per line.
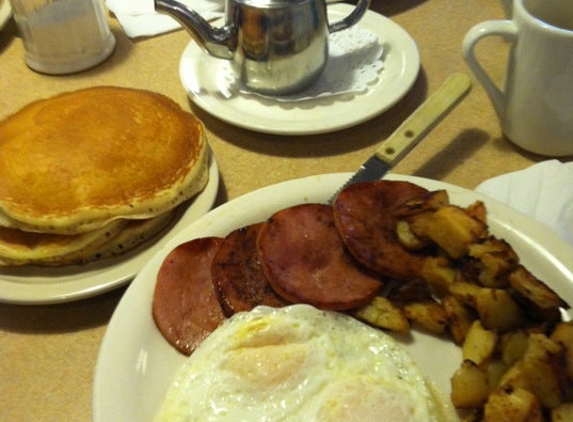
(355, 61)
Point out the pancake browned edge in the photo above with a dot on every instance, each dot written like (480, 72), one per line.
(75, 162)
(119, 237)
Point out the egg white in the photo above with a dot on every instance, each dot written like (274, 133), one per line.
(299, 363)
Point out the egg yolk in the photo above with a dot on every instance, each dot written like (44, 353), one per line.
(268, 366)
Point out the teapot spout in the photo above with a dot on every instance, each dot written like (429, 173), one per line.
(218, 42)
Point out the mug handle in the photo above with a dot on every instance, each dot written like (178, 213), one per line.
(361, 7)
(504, 28)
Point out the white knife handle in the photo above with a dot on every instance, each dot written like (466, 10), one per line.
(424, 118)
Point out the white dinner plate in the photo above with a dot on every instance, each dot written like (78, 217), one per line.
(5, 13)
(34, 285)
(135, 364)
(202, 74)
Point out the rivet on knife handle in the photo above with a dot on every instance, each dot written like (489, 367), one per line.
(429, 114)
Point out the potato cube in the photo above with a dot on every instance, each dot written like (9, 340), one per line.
(470, 387)
(512, 405)
(420, 223)
(495, 370)
(477, 211)
(515, 377)
(497, 260)
(534, 289)
(498, 311)
(513, 345)
(427, 315)
(453, 230)
(407, 237)
(562, 413)
(543, 364)
(384, 314)
(465, 292)
(480, 344)
(460, 318)
(429, 202)
(438, 273)
(563, 335)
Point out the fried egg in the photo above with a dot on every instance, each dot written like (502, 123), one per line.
(299, 363)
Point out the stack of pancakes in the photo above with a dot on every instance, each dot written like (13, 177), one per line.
(93, 173)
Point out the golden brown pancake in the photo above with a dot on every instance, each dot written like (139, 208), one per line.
(18, 247)
(131, 236)
(74, 162)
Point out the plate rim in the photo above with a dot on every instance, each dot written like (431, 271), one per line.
(16, 290)
(363, 101)
(120, 361)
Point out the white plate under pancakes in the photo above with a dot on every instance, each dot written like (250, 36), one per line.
(33, 285)
(135, 363)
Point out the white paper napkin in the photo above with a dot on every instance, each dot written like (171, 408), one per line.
(138, 18)
(543, 192)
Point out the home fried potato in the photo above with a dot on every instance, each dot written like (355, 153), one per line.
(563, 334)
(496, 258)
(465, 292)
(497, 310)
(535, 290)
(460, 318)
(439, 273)
(479, 344)
(454, 231)
(408, 238)
(562, 413)
(495, 369)
(518, 353)
(513, 345)
(515, 405)
(543, 364)
(516, 377)
(470, 387)
(477, 211)
(429, 316)
(429, 201)
(382, 313)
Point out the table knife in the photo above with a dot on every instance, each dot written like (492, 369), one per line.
(413, 129)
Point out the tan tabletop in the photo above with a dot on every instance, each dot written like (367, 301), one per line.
(48, 353)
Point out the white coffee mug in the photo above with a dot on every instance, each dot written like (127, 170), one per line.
(536, 106)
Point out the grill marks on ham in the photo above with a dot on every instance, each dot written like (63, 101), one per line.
(306, 262)
(364, 214)
(185, 305)
(237, 275)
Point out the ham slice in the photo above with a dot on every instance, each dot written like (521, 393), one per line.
(305, 260)
(237, 275)
(364, 214)
(185, 306)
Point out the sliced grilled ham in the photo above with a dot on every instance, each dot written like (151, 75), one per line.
(306, 262)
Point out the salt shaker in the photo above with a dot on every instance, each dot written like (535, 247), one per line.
(63, 36)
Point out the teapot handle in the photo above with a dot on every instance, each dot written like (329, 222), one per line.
(361, 7)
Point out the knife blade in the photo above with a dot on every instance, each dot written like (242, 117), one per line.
(412, 130)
